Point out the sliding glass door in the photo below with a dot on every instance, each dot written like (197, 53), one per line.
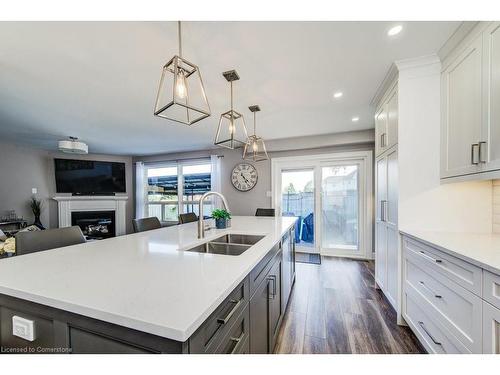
(297, 199)
(331, 197)
(340, 208)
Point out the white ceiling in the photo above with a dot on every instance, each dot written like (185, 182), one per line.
(98, 80)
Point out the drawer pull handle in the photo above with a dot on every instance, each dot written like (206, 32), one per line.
(237, 340)
(273, 279)
(428, 334)
(430, 290)
(431, 258)
(231, 313)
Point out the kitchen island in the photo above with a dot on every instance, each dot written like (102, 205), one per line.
(146, 292)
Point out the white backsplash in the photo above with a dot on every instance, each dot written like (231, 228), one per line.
(496, 206)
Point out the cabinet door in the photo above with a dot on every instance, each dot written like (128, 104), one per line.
(380, 222)
(259, 319)
(491, 329)
(490, 134)
(391, 222)
(288, 269)
(462, 113)
(274, 303)
(392, 119)
(381, 130)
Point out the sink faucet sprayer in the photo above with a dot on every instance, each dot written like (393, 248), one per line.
(201, 228)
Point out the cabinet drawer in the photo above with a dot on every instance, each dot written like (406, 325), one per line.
(208, 337)
(491, 288)
(260, 271)
(238, 336)
(85, 342)
(463, 273)
(431, 333)
(455, 307)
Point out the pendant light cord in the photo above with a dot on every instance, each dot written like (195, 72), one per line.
(254, 126)
(180, 38)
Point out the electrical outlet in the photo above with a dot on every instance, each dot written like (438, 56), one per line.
(23, 328)
(34, 190)
(269, 194)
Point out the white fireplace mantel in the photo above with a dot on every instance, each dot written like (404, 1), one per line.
(69, 203)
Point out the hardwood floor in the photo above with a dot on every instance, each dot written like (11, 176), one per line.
(335, 308)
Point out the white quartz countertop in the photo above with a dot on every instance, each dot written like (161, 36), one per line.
(141, 281)
(480, 249)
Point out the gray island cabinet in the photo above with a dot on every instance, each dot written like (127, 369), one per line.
(247, 321)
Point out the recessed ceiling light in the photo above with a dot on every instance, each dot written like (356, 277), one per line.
(338, 94)
(355, 119)
(395, 30)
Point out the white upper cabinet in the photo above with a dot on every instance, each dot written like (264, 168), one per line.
(392, 119)
(470, 93)
(461, 111)
(490, 134)
(380, 131)
(386, 123)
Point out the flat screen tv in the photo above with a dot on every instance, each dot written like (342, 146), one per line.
(89, 177)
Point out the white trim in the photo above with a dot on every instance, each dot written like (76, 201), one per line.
(68, 204)
(315, 162)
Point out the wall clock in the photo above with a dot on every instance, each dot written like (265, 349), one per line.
(244, 177)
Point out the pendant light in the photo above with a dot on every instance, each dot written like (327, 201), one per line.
(181, 95)
(255, 148)
(231, 132)
(73, 146)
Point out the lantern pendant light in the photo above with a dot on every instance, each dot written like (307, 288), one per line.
(231, 132)
(255, 148)
(181, 95)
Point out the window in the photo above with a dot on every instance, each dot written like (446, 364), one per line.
(176, 188)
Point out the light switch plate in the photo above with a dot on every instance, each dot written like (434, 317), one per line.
(34, 190)
(23, 328)
(269, 194)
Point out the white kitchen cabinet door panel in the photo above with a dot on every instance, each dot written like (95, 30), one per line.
(392, 119)
(491, 329)
(392, 265)
(490, 135)
(462, 113)
(381, 255)
(381, 130)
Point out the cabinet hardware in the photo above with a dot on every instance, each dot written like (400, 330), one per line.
(428, 334)
(431, 258)
(237, 340)
(382, 140)
(383, 210)
(231, 313)
(473, 147)
(481, 151)
(273, 279)
(430, 290)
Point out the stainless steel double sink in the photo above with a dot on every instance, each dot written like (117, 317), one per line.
(229, 244)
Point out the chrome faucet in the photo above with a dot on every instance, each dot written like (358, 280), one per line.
(201, 227)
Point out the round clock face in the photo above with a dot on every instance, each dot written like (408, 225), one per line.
(244, 177)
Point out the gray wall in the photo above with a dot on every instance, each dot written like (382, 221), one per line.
(245, 203)
(23, 168)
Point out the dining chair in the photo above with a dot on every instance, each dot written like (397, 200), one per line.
(40, 240)
(145, 224)
(265, 212)
(187, 218)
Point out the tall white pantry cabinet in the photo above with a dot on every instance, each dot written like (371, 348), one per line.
(386, 195)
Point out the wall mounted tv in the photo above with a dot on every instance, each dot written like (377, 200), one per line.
(89, 177)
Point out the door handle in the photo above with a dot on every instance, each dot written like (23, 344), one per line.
(428, 334)
(474, 146)
(273, 279)
(481, 160)
(231, 313)
(430, 290)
